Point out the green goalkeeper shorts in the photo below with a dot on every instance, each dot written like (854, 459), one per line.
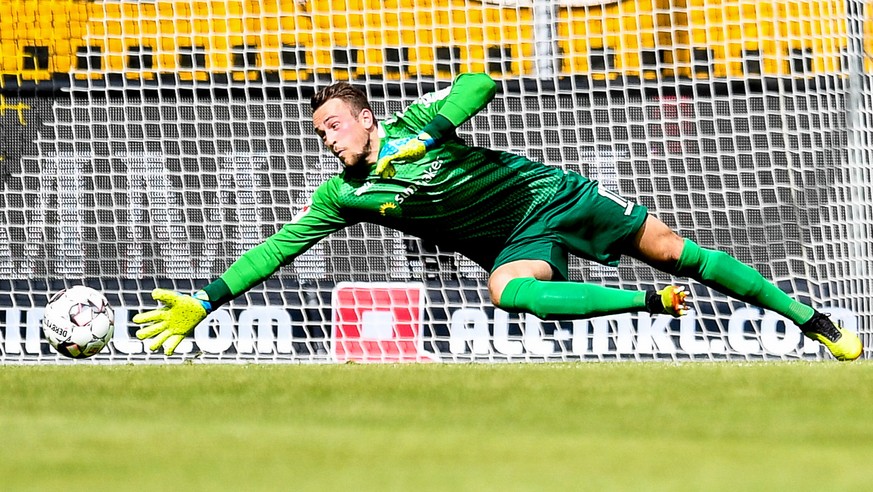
(583, 219)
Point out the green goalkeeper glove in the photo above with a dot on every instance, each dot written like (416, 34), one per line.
(174, 320)
(407, 149)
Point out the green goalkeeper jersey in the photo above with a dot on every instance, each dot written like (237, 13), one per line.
(464, 199)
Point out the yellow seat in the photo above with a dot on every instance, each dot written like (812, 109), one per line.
(586, 46)
(8, 57)
(114, 28)
(63, 63)
(77, 30)
(7, 30)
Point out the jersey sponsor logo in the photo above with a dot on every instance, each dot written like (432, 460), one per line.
(426, 178)
(385, 207)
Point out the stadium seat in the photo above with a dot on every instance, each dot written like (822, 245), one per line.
(35, 63)
(344, 62)
(244, 62)
(114, 28)
(290, 61)
(77, 30)
(868, 40)
(782, 38)
(448, 61)
(8, 32)
(396, 61)
(26, 11)
(88, 62)
(35, 57)
(583, 45)
(8, 57)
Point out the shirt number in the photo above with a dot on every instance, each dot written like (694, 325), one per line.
(620, 200)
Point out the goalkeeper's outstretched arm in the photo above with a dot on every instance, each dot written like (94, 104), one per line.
(180, 313)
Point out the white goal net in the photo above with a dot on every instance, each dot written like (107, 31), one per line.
(150, 143)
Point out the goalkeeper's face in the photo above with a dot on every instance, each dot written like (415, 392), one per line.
(346, 134)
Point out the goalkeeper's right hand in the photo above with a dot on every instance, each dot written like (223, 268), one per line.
(403, 150)
(174, 320)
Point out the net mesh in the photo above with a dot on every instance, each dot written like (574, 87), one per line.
(151, 143)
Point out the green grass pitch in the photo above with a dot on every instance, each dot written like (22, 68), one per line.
(419, 427)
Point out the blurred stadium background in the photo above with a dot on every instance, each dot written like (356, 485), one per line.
(293, 40)
(149, 143)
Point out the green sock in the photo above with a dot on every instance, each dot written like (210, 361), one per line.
(726, 274)
(568, 300)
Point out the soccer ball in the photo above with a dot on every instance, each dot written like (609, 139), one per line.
(78, 322)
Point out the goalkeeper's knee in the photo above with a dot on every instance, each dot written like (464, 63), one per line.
(719, 270)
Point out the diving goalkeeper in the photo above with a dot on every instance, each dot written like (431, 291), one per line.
(516, 218)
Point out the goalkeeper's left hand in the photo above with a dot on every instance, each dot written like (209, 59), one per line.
(407, 149)
(174, 320)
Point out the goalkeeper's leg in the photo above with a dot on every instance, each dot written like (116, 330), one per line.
(659, 246)
(525, 286)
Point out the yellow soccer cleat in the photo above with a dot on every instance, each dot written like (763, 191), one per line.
(673, 299)
(842, 343)
(670, 300)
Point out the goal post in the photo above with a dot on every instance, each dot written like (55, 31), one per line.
(150, 143)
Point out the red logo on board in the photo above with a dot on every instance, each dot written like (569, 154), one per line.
(378, 322)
